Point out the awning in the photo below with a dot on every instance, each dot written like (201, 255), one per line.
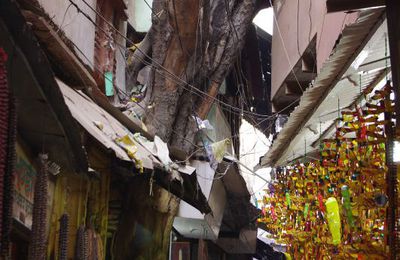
(237, 234)
(69, 104)
(232, 212)
(353, 39)
(102, 126)
(107, 130)
(39, 100)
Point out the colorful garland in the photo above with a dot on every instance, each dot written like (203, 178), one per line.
(335, 207)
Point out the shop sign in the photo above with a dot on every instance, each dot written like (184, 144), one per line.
(24, 182)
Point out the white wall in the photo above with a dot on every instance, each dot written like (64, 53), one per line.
(120, 58)
(81, 32)
(140, 14)
(253, 145)
(76, 26)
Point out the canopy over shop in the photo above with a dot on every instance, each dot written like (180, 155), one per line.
(334, 191)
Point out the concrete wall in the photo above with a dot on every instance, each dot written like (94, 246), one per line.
(298, 23)
(76, 26)
(82, 32)
(139, 14)
(120, 58)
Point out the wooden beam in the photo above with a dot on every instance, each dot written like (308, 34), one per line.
(26, 41)
(292, 87)
(286, 105)
(348, 5)
(68, 60)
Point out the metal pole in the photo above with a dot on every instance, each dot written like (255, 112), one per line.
(391, 179)
(392, 12)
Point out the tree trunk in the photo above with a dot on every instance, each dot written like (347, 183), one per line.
(138, 59)
(194, 44)
(173, 45)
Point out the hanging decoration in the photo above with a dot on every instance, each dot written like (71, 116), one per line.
(37, 247)
(336, 207)
(8, 179)
(333, 217)
(81, 251)
(8, 134)
(4, 115)
(63, 237)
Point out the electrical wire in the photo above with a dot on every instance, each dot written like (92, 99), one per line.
(284, 47)
(63, 19)
(298, 27)
(158, 65)
(126, 95)
(222, 103)
(244, 100)
(221, 174)
(174, 77)
(322, 30)
(233, 108)
(119, 89)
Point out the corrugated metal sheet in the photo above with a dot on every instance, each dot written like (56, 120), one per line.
(105, 129)
(353, 38)
(89, 115)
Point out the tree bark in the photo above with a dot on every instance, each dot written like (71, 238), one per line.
(173, 46)
(195, 41)
(138, 58)
(226, 51)
(207, 102)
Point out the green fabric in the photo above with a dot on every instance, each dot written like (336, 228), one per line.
(109, 84)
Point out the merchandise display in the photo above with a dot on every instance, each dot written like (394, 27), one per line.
(336, 207)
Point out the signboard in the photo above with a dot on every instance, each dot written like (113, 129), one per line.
(24, 182)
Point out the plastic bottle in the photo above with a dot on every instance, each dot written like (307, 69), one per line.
(333, 216)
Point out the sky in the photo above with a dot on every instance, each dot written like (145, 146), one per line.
(264, 20)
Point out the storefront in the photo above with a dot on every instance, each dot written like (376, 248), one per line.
(23, 191)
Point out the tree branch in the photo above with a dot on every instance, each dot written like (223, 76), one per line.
(138, 57)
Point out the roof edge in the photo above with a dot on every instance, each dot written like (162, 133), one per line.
(325, 81)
